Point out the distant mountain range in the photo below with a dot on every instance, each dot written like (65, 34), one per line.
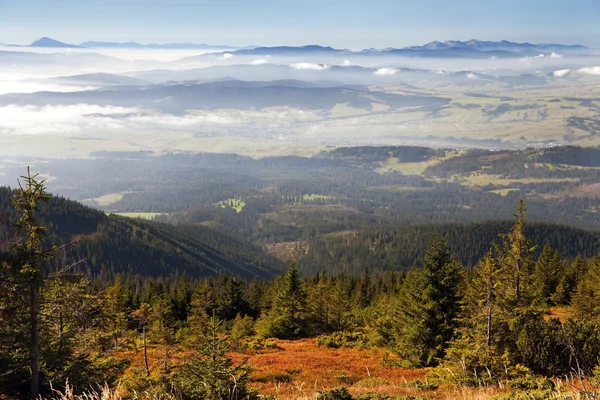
(451, 48)
(502, 45)
(52, 43)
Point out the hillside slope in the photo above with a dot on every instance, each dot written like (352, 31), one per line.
(401, 247)
(113, 244)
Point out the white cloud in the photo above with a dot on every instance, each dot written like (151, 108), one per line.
(386, 71)
(32, 87)
(539, 56)
(561, 73)
(83, 118)
(227, 56)
(471, 75)
(260, 61)
(59, 120)
(590, 70)
(347, 63)
(93, 120)
(311, 66)
(555, 55)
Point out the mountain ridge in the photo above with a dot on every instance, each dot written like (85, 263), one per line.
(52, 43)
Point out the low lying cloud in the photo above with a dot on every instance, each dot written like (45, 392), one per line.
(32, 87)
(471, 75)
(86, 118)
(91, 120)
(561, 73)
(311, 66)
(347, 63)
(386, 71)
(590, 70)
(227, 56)
(260, 61)
(58, 120)
(555, 55)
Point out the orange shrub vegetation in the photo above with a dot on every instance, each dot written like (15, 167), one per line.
(301, 368)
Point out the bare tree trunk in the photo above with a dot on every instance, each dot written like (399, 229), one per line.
(34, 353)
(166, 362)
(145, 352)
(489, 310)
(518, 280)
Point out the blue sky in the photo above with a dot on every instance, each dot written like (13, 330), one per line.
(340, 23)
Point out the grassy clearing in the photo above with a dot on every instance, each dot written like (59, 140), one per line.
(107, 199)
(237, 204)
(142, 215)
(345, 110)
(401, 188)
(393, 165)
(298, 369)
(314, 197)
(413, 168)
(486, 179)
(504, 192)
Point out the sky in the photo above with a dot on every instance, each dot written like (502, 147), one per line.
(353, 24)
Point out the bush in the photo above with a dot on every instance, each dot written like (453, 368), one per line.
(381, 396)
(424, 385)
(335, 394)
(260, 344)
(343, 339)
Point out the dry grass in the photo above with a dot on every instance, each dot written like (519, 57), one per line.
(301, 368)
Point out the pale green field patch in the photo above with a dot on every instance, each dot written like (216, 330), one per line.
(504, 192)
(486, 179)
(106, 200)
(237, 204)
(141, 215)
(344, 110)
(413, 168)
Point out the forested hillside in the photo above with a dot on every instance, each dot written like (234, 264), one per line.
(397, 248)
(522, 322)
(111, 245)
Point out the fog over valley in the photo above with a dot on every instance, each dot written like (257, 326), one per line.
(292, 99)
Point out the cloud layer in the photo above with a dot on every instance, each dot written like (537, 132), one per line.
(386, 71)
(90, 120)
(311, 66)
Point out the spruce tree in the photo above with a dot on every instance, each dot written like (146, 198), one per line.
(515, 258)
(586, 298)
(288, 317)
(571, 277)
(547, 274)
(210, 374)
(429, 302)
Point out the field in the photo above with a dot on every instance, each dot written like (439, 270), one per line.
(142, 215)
(237, 204)
(413, 168)
(481, 179)
(301, 369)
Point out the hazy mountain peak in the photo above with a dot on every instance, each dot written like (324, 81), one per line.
(49, 42)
